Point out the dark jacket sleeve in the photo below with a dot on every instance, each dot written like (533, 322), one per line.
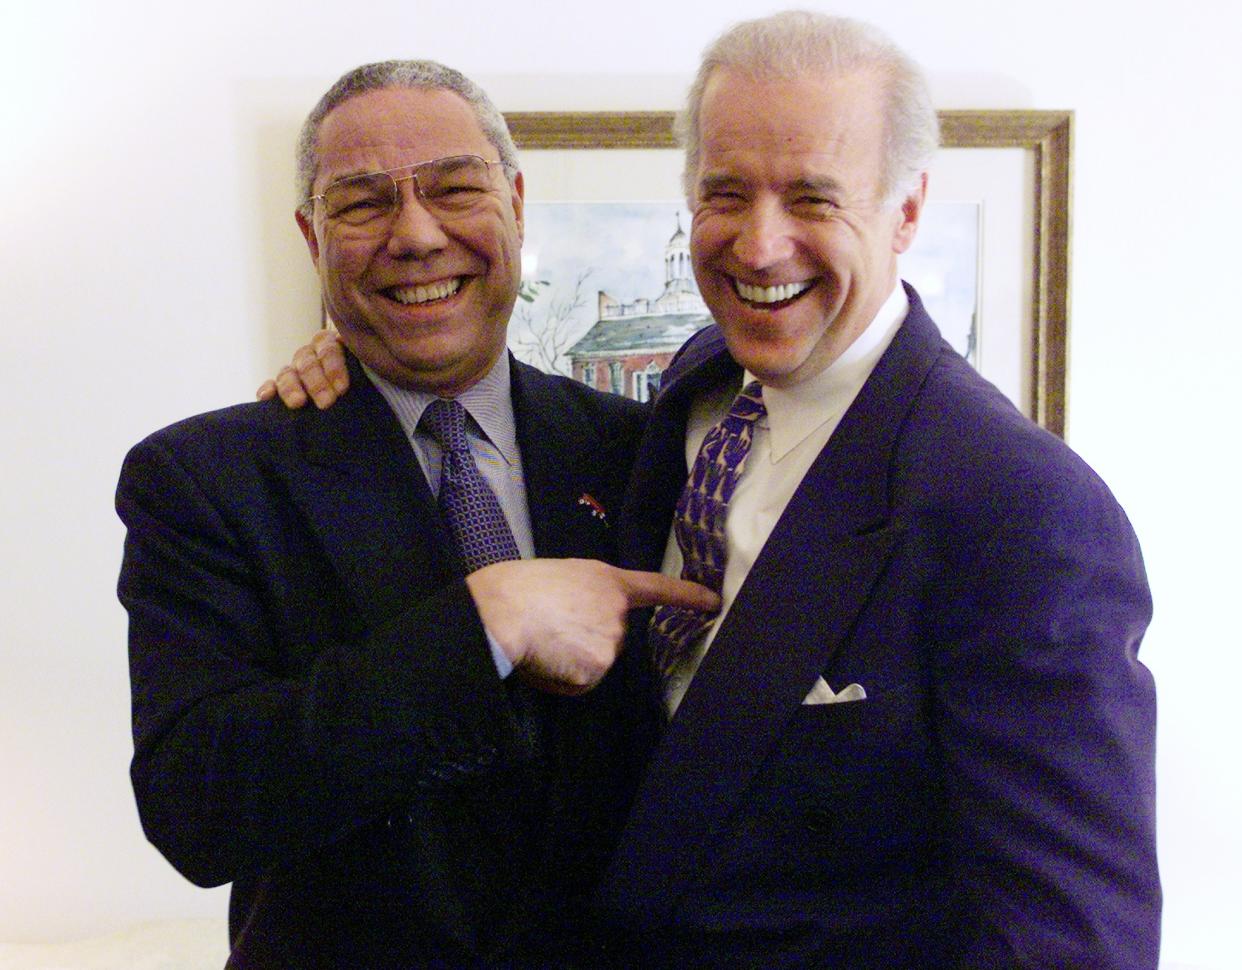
(271, 718)
(1045, 721)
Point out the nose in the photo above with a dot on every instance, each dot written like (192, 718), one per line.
(764, 235)
(416, 232)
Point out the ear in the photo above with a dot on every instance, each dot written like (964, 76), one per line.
(911, 212)
(518, 197)
(307, 225)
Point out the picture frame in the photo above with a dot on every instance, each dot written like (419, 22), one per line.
(1029, 149)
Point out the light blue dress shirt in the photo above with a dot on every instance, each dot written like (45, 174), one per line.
(492, 432)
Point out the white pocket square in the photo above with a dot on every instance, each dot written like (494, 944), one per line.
(821, 693)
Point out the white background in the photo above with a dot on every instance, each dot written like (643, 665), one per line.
(150, 269)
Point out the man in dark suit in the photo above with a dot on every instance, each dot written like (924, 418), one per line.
(917, 734)
(346, 699)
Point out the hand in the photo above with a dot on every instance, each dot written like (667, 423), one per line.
(561, 621)
(318, 368)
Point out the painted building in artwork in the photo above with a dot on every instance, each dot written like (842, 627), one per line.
(631, 344)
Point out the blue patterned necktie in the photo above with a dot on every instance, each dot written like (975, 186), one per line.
(699, 524)
(466, 501)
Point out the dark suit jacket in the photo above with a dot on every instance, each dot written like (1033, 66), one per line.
(317, 716)
(990, 803)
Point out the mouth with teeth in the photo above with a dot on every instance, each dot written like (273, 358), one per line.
(771, 297)
(428, 293)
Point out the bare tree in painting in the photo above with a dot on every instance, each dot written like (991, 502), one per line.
(548, 339)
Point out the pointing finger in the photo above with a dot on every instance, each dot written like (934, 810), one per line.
(656, 589)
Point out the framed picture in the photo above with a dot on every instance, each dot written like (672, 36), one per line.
(607, 294)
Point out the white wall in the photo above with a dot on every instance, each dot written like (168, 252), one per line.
(150, 268)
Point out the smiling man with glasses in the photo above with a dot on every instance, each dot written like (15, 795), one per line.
(416, 237)
(346, 699)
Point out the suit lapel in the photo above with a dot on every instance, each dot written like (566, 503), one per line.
(363, 493)
(567, 464)
(360, 487)
(796, 607)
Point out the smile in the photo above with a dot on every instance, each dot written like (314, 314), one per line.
(770, 294)
(439, 290)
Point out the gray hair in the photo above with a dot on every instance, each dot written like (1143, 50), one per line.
(797, 44)
(419, 75)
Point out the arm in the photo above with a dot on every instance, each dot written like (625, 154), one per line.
(1046, 723)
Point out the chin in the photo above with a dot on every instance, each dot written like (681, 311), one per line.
(767, 362)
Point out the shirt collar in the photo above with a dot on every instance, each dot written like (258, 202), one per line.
(488, 402)
(794, 412)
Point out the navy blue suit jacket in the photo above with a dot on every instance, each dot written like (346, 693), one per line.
(991, 802)
(317, 716)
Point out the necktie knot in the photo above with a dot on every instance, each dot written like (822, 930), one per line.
(467, 502)
(445, 421)
(748, 406)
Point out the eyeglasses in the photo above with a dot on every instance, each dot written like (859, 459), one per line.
(449, 187)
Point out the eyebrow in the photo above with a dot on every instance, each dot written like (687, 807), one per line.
(715, 180)
(826, 184)
(351, 174)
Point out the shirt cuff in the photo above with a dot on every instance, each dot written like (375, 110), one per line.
(504, 666)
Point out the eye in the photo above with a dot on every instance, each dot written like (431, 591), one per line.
(359, 210)
(722, 197)
(813, 206)
(459, 189)
(362, 205)
(358, 200)
(455, 183)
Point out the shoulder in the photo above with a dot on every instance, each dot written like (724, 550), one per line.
(965, 450)
(222, 434)
(228, 457)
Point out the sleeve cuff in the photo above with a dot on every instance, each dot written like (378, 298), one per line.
(504, 666)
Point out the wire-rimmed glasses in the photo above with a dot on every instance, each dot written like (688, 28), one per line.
(450, 187)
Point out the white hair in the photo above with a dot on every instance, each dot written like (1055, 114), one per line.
(797, 44)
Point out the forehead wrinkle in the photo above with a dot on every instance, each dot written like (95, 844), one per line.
(363, 132)
(364, 172)
(356, 173)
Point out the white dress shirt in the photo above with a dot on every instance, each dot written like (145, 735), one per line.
(799, 422)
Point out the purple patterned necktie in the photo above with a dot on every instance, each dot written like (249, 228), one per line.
(466, 501)
(699, 524)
